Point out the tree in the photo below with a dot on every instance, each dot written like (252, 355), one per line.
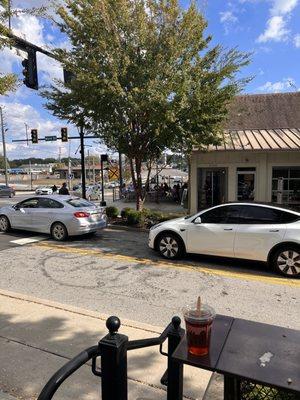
(146, 78)
(2, 162)
(7, 81)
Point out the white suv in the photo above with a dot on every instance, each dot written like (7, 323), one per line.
(243, 230)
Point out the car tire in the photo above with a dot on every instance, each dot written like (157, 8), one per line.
(170, 246)
(59, 232)
(4, 224)
(286, 261)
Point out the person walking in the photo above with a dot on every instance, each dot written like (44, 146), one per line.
(54, 189)
(64, 190)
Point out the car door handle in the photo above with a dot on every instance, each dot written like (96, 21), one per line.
(274, 230)
(227, 229)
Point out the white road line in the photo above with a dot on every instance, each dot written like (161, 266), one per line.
(32, 239)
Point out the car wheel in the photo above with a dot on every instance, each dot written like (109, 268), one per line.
(59, 232)
(170, 246)
(4, 224)
(286, 261)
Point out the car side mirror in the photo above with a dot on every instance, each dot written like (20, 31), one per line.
(198, 221)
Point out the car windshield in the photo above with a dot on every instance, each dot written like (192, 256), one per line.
(78, 203)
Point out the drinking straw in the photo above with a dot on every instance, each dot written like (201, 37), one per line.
(199, 306)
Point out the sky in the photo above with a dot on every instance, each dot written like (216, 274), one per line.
(269, 29)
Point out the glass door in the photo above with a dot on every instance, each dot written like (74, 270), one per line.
(212, 187)
(246, 184)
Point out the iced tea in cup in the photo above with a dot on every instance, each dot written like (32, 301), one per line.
(198, 328)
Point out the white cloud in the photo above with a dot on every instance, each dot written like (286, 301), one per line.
(287, 84)
(276, 30)
(282, 7)
(297, 40)
(16, 115)
(227, 16)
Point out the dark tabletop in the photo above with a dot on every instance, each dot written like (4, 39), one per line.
(220, 329)
(262, 353)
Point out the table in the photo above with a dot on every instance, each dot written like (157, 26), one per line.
(249, 351)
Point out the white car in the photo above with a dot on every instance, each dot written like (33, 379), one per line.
(43, 190)
(58, 215)
(243, 230)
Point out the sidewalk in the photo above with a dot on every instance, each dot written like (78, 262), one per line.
(38, 336)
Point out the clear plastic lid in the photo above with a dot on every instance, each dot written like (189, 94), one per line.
(191, 313)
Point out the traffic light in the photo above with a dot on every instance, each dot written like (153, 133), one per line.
(34, 136)
(64, 134)
(30, 70)
(104, 157)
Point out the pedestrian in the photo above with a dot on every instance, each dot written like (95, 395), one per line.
(54, 189)
(64, 190)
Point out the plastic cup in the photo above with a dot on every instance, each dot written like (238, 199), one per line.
(198, 328)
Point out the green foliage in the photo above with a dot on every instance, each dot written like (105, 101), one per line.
(112, 212)
(2, 162)
(147, 77)
(125, 212)
(9, 82)
(134, 217)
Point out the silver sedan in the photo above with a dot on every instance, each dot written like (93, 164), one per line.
(61, 216)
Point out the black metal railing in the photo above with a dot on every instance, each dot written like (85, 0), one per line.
(112, 351)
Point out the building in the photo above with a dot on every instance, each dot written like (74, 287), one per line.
(259, 157)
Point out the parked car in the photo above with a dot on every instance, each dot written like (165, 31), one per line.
(43, 190)
(6, 191)
(243, 230)
(61, 216)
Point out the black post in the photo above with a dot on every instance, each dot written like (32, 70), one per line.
(113, 350)
(231, 388)
(103, 202)
(82, 162)
(175, 369)
(120, 175)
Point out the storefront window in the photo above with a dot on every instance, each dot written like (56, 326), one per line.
(286, 185)
(212, 187)
(246, 184)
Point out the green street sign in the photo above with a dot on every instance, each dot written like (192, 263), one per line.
(50, 138)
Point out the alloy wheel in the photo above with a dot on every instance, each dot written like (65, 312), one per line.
(168, 247)
(288, 262)
(3, 224)
(58, 232)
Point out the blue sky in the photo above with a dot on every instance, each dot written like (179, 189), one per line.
(270, 29)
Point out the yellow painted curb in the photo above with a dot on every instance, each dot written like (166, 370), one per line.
(165, 264)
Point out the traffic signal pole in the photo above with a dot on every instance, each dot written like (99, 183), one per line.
(81, 134)
(4, 147)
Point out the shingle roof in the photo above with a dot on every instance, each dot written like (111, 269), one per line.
(264, 111)
(260, 139)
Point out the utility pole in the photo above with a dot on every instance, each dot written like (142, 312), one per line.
(81, 133)
(4, 146)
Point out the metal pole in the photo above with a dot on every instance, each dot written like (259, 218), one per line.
(94, 173)
(120, 174)
(4, 147)
(30, 175)
(9, 14)
(82, 162)
(103, 203)
(113, 350)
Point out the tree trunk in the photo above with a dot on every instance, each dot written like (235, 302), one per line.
(136, 175)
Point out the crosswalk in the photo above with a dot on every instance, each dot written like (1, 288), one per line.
(24, 241)
(16, 239)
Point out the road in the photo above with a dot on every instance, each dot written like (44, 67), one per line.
(114, 272)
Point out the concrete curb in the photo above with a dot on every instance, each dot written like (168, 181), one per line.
(127, 228)
(79, 311)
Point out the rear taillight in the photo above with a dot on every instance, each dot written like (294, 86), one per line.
(81, 214)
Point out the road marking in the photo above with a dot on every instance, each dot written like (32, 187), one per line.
(32, 239)
(165, 264)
